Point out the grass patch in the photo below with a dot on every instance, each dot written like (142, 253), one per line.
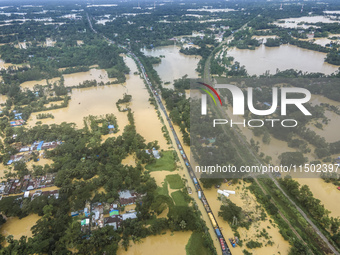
(175, 181)
(196, 246)
(165, 163)
(163, 190)
(179, 198)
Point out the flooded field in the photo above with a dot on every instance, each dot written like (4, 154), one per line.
(273, 149)
(175, 64)
(294, 22)
(3, 99)
(247, 201)
(102, 100)
(4, 65)
(88, 101)
(264, 59)
(100, 75)
(167, 244)
(30, 84)
(327, 193)
(19, 227)
(330, 131)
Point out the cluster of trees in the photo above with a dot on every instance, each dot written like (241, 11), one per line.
(154, 60)
(99, 125)
(307, 200)
(243, 40)
(292, 158)
(309, 45)
(179, 106)
(45, 116)
(203, 51)
(45, 61)
(151, 30)
(331, 177)
(273, 42)
(230, 211)
(333, 57)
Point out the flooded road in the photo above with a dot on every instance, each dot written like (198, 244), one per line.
(167, 244)
(175, 64)
(284, 57)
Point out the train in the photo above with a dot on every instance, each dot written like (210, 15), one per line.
(212, 219)
(222, 244)
(218, 232)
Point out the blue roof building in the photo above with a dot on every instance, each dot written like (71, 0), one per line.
(40, 145)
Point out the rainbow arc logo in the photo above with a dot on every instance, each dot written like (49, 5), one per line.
(209, 93)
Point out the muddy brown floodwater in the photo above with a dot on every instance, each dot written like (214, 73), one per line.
(330, 131)
(284, 57)
(247, 201)
(100, 75)
(129, 160)
(175, 64)
(102, 100)
(327, 193)
(3, 99)
(19, 227)
(167, 244)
